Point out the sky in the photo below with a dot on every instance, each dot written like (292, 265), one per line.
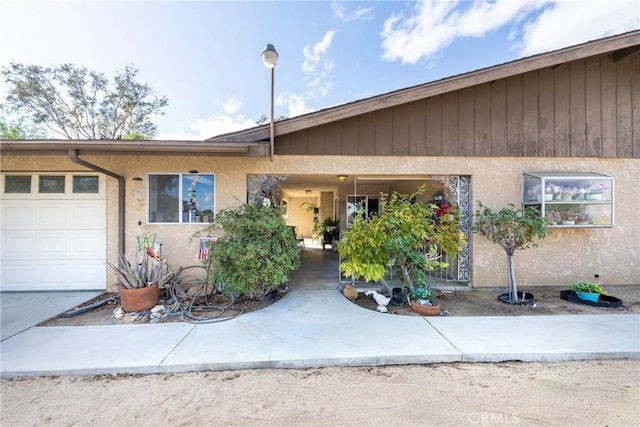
(205, 56)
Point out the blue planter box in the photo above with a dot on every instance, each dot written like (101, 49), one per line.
(603, 301)
(588, 296)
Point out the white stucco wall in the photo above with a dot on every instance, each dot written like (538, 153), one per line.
(566, 255)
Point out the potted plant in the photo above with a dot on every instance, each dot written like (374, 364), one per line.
(553, 217)
(328, 230)
(139, 284)
(550, 191)
(587, 290)
(404, 235)
(568, 193)
(569, 217)
(423, 300)
(583, 218)
(596, 191)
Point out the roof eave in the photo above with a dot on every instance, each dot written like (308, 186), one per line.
(119, 147)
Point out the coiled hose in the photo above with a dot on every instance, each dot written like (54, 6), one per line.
(188, 278)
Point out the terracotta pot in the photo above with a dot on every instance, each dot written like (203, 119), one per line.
(425, 310)
(139, 299)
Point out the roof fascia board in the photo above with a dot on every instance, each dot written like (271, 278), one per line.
(126, 147)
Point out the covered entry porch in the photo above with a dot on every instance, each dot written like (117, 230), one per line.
(309, 202)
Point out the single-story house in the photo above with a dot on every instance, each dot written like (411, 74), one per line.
(566, 121)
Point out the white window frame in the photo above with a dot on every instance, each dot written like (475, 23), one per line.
(181, 215)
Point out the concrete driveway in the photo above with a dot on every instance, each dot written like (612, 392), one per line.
(20, 311)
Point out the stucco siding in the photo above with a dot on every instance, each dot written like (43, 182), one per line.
(566, 255)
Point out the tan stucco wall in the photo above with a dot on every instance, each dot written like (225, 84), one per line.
(299, 216)
(566, 255)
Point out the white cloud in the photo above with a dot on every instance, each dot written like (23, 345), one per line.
(538, 25)
(435, 24)
(201, 129)
(231, 105)
(565, 24)
(312, 54)
(317, 78)
(296, 103)
(360, 13)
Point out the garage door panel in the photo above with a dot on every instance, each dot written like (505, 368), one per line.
(52, 274)
(58, 275)
(50, 244)
(52, 216)
(16, 215)
(87, 245)
(17, 276)
(93, 215)
(85, 274)
(17, 245)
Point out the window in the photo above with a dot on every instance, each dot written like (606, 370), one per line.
(370, 204)
(181, 198)
(51, 184)
(570, 199)
(85, 184)
(17, 184)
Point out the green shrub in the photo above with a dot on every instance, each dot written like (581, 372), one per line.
(256, 251)
(406, 234)
(587, 287)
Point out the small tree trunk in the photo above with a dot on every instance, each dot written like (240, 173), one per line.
(513, 288)
(406, 275)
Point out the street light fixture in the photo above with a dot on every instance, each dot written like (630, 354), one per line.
(270, 59)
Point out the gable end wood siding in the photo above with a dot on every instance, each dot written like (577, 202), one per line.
(585, 108)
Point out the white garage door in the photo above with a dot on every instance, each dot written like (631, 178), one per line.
(53, 232)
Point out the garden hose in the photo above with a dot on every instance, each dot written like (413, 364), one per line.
(186, 304)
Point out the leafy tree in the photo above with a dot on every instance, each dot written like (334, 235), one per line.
(406, 232)
(513, 229)
(80, 104)
(11, 128)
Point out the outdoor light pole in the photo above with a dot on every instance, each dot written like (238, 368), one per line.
(270, 59)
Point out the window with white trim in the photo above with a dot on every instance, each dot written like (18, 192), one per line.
(180, 198)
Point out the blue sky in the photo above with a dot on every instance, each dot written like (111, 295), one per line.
(205, 55)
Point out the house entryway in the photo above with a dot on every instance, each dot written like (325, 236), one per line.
(318, 270)
(307, 202)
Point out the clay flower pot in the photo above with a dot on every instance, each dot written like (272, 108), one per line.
(425, 310)
(139, 299)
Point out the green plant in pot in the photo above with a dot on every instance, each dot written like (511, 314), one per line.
(140, 282)
(404, 235)
(587, 290)
(255, 251)
(423, 300)
(328, 230)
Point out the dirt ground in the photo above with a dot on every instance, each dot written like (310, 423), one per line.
(547, 301)
(461, 303)
(590, 393)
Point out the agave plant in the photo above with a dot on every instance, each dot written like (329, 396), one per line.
(147, 273)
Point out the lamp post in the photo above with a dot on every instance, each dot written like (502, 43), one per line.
(270, 59)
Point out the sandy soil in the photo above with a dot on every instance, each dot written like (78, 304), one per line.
(564, 394)
(463, 303)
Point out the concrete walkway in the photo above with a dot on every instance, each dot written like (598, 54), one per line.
(315, 326)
